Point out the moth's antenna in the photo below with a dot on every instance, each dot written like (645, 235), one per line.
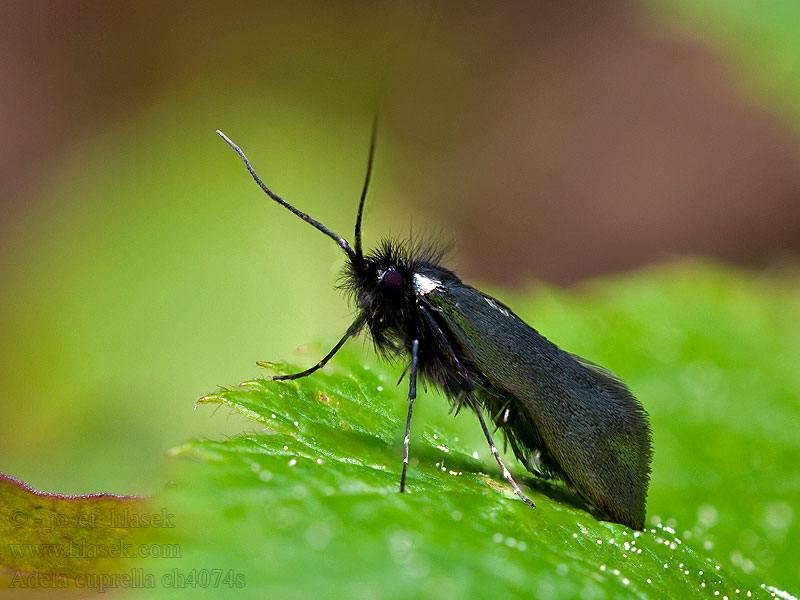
(339, 240)
(359, 254)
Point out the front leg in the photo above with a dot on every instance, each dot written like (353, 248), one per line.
(351, 331)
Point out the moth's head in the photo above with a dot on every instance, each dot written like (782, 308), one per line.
(381, 286)
(394, 276)
(381, 280)
(392, 284)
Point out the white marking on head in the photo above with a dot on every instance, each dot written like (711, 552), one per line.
(425, 285)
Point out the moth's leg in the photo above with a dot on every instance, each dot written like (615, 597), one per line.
(499, 460)
(402, 375)
(456, 406)
(412, 394)
(469, 390)
(352, 330)
(446, 346)
(316, 367)
(504, 410)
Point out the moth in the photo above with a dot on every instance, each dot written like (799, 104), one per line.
(563, 416)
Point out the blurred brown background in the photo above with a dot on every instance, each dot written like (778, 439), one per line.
(140, 267)
(550, 141)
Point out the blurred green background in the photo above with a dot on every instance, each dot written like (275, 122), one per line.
(142, 268)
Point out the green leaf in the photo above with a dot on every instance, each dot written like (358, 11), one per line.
(308, 504)
(59, 541)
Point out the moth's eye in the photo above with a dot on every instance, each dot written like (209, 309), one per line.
(392, 284)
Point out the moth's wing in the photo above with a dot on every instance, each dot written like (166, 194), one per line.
(587, 419)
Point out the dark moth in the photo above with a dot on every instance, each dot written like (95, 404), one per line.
(563, 416)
